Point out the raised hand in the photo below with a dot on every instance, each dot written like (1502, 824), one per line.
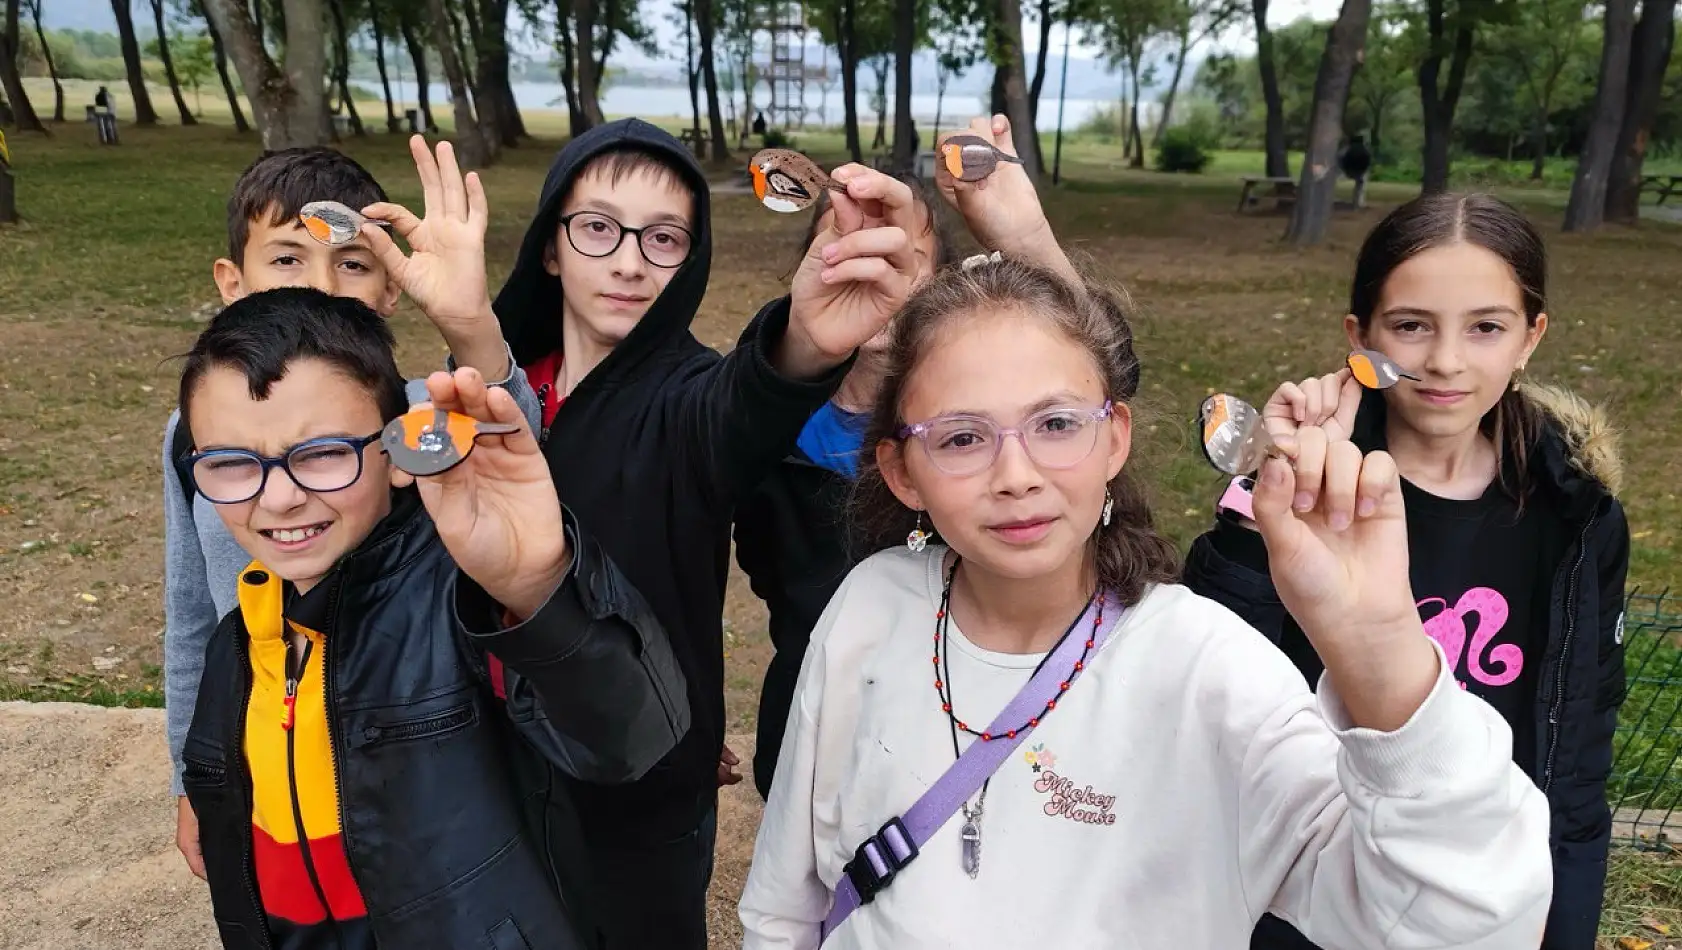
(445, 272)
(1003, 210)
(1305, 419)
(855, 276)
(1341, 569)
(497, 512)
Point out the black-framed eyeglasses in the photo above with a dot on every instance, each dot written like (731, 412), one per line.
(594, 234)
(232, 476)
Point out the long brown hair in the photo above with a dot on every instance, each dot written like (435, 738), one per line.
(1485, 221)
(1130, 553)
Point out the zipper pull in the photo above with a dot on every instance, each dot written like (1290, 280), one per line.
(291, 704)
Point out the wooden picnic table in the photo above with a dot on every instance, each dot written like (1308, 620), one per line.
(697, 141)
(1665, 185)
(1284, 190)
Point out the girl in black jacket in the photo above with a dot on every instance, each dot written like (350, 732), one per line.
(1518, 547)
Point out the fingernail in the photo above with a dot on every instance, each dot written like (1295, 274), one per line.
(1272, 475)
(1366, 507)
(829, 252)
(828, 275)
(1340, 520)
(1304, 501)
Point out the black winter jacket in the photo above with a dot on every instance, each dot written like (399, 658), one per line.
(1575, 471)
(653, 450)
(455, 826)
(791, 541)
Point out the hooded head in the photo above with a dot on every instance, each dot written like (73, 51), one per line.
(620, 248)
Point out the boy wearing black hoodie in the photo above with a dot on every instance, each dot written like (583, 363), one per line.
(653, 437)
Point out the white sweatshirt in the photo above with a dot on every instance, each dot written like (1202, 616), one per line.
(1187, 783)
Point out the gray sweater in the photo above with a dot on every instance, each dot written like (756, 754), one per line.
(202, 564)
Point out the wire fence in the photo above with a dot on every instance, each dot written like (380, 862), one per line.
(1645, 789)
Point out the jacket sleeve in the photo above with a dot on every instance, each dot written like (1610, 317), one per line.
(739, 418)
(596, 685)
(1425, 836)
(1583, 816)
(1228, 565)
(189, 610)
(518, 386)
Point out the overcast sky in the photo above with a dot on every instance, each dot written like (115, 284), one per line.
(96, 15)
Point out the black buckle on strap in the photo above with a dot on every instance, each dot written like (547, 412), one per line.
(881, 857)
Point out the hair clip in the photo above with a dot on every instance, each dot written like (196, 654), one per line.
(977, 260)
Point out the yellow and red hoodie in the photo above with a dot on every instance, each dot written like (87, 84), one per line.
(308, 891)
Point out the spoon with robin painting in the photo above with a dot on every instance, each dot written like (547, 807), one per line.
(334, 224)
(1374, 370)
(972, 158)
(785, 180)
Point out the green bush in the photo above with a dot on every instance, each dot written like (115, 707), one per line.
(778, 138)
(1184, 149)
(1103, 123)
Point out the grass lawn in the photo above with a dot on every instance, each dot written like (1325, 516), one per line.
(109, 277)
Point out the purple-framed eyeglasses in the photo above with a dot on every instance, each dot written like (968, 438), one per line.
(964, 444)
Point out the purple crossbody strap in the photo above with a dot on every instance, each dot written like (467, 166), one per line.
(885, 853)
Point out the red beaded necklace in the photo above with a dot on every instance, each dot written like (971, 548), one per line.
(942, 675)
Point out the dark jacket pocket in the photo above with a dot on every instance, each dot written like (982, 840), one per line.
(505, 936)
(410, 730)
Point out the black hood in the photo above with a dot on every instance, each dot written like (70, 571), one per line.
(529, 304)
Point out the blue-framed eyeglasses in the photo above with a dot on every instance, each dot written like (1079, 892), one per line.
(232, 476)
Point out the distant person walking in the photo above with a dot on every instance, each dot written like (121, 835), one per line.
(1355, 163)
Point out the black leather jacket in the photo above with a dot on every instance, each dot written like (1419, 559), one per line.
(456, 828)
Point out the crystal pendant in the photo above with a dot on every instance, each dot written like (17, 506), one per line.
(970, 834)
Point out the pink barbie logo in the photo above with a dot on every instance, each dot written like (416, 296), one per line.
(1491, 667)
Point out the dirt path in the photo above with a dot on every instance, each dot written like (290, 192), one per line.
(89, 825)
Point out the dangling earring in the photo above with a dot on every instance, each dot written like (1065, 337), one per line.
(918, 539)
(1109, 508)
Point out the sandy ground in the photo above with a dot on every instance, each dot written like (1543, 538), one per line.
(90, 862)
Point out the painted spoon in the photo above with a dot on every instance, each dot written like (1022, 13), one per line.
(431, 441)
(332, 223)
(1374, 370)
(785, 180)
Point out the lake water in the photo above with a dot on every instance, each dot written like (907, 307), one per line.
(662, 101)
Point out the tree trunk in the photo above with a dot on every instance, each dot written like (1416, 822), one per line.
(1586, 208)
(709, 74)
(221, 55)
(1345, 46)
(393, 125)
(52, 68)
(610, 32)
(8, 197)
(469, 141)
(187, 117)
(257, 21)
(905, 45)
(1038, 84)
(454, 34)
(1173, 88)
(589, 103)
(569, 67)
(879, 66)
(1016, 86)
(491, 45)
(144, 114)
(417, 57)
(747, 94)
(287, 100)
(691, 72)
(1135, 137)
(341, 69)
(849, 80)
(1438, 103)
(11, 49)
(1650, 49)
(1278, 159)
(1538, 144)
